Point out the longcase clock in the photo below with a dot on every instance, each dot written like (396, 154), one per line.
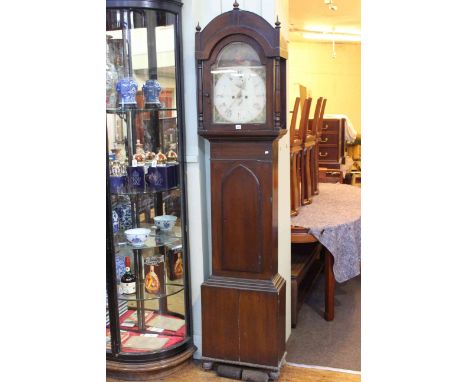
(242, 112)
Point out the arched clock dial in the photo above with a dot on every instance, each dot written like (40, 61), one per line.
(239, 95)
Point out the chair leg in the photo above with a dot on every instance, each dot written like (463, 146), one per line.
(329, 286)
(316, 172)
(293, 303)
(304, 180)
(308, 169)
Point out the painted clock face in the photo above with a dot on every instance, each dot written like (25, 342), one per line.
(239, 88)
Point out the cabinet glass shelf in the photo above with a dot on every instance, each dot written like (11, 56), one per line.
(136, 110)
(143, 192)
(170, 290)
(157, 238)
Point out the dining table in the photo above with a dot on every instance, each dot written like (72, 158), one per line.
(334, 219)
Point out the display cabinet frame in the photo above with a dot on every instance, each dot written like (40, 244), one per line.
(119, 363)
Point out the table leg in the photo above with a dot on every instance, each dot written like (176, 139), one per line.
(329, 286)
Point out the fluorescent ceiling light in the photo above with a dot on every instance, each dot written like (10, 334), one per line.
(329, 29)
(326, 36)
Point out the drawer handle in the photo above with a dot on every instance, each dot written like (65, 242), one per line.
(325, 128)
(323, 141)
(323, 155)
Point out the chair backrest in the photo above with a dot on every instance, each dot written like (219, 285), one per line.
(302, 94)
(320, 121)
(304, 119)
(315, 121)
(292, 128)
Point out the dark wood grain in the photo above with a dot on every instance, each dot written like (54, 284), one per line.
(241, 220)
(220, 326)
(257, 321)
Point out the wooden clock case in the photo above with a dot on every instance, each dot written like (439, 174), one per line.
(243, 301)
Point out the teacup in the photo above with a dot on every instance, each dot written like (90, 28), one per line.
(137, 236)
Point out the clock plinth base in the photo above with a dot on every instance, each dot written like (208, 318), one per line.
(244, 321)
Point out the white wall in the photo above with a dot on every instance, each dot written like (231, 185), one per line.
(197, 151)
(336, 79)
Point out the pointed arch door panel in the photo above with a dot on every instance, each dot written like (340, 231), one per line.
(241, 201)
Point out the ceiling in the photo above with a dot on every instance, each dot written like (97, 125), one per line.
(316, 15)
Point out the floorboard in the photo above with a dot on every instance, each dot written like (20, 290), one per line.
(194, 373)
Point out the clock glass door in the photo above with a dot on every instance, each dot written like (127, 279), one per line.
(239, 86)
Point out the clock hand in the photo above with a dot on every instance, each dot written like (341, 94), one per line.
(236, 98)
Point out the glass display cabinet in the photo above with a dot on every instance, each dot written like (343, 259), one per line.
(148, 323)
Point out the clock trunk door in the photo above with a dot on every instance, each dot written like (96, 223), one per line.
(241, 211)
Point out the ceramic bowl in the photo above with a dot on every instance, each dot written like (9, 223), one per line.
(137, 236)
(165, 222)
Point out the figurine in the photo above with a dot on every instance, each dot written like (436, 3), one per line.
(151, 91)
(127, 88)
(161, 158)
(149, 156)
(139, 148)
(171, 156)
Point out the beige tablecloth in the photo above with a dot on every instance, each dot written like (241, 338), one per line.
(334, 218)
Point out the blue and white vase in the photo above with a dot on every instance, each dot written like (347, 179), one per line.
(127, 89)
(151, 90)
(124, 210)
(119, 266)
(115, 221)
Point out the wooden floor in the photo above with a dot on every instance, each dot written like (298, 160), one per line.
(193, 373)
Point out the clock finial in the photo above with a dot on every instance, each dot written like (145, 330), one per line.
(235, 5)
(198, 27)
(277, 23)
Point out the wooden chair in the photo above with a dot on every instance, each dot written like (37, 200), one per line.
(299, 266)
(295, 149)
(305, 195)
(305, 264)
(316, 153)
(310, 148)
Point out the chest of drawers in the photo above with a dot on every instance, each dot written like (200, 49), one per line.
(331, 145)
